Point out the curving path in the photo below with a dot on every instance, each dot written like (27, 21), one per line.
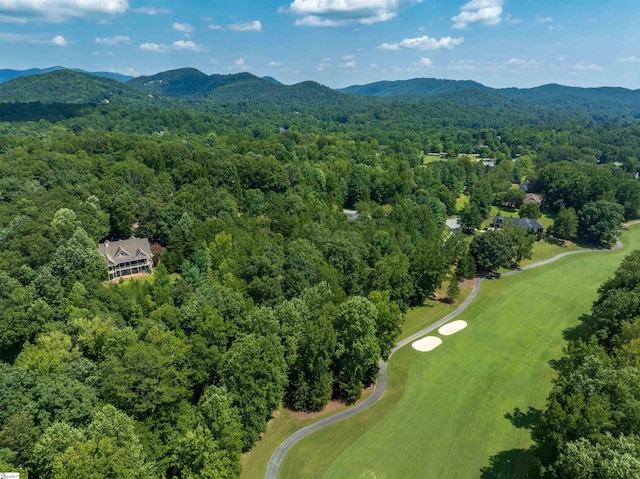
(276, 459)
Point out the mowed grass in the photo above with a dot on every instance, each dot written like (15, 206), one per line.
(443, 415)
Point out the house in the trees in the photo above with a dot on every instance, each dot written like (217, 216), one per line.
(127, 258)
(533, 198)
(532, 225)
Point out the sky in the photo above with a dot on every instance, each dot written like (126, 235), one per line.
(500, 43)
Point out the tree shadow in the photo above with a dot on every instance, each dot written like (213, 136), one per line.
(512, 464)
(580, 330)
(524, 420)
(515, 463)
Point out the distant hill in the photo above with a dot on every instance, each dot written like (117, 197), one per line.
(604, 101)
(191, 88)
(191, 84)
(416, 86)
(8, 74)
(67, 86)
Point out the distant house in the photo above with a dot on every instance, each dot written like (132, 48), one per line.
(127, 257)
(533, 198)
(488, 162)
(352, 215)
(525, 185)
(530, 224)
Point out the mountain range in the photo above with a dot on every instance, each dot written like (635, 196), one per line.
(8, 74)
(188, 85)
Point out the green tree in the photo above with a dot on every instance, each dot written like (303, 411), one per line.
(50, 355)
(522, 241)
(565, 226)
(357, 347)
(149, 374)
(310, 376)
(529, 210)
(470, 218)
(492, 250)
(52, 443)
(599, 222)
(111, 449)
(254, 372)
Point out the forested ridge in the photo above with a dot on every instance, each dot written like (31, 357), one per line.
(264, 291)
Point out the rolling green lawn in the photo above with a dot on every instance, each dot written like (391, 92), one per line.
(443, 415)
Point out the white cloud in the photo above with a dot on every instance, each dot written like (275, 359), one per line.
(586, 67)
(334, 13)
(522, 65)
(113, 40)
(544, 19)
(485, 12)
(188, 45)
(254, 26)
(215, 27)
(239, 65)
(561, 58)
(509, 20)
(348, 64)
(423, 43)
(425, 62)
(180, 45)
(324, 65)
(151, 10)
(348, 57)
(552, 28)
(59, 41)
(154, 47)
(274, 64)
(60, 10)
(631, 59)
(183, 27)
(12, 19)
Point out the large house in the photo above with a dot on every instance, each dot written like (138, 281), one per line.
(530, 224)
(127, 257)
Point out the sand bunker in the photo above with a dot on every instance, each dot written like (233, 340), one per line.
(452, 327)
(427, 343)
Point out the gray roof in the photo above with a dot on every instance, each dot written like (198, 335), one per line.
(118, 252)
(529, 223)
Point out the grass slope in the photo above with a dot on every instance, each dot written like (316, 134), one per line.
(443, 415)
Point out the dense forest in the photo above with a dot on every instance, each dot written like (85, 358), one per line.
(264, 291)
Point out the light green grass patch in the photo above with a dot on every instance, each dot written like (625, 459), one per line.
(461, 201)
(443, 415)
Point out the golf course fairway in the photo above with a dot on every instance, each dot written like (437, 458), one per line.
(446, 412)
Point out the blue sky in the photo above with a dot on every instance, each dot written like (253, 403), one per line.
(337, 43)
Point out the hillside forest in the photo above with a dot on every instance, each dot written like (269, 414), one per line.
(264, 292)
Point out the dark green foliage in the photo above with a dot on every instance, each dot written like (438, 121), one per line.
(529, 210)
(254, 372)
(565, 226)
(492, 250)
(470, 218)
(599, 221)
(357, 348)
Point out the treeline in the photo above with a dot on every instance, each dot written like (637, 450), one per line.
(264, 290)
(590, 427)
